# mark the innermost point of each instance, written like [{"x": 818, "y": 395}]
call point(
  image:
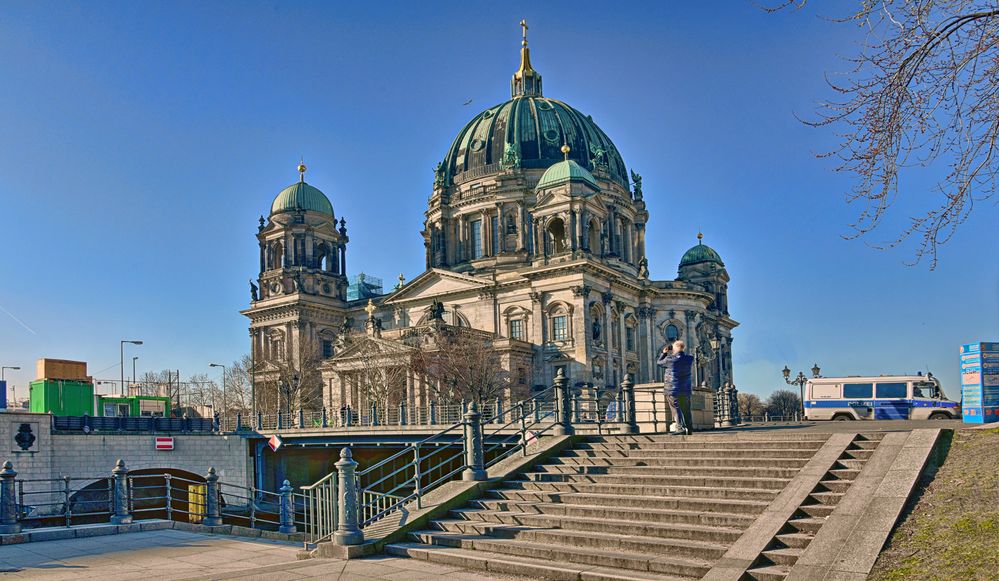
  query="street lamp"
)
[
  {"x": 225, "y": 405},
  {"x": 133, "y": 370},
  {"x": 816, "y": 370},
  {"x": 122, "y": 362},
  {"x": 5, "y": 368},
  {"x": 800, "y": 381}
]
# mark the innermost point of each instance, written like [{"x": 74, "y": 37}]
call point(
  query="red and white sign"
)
[
  {"x": 275, "y": 442},
  {"x": 164, "y": 443}
]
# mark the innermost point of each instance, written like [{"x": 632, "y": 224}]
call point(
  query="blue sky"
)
[{"x": 139, "y": 141}]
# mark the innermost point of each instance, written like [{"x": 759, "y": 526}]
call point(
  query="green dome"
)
[
  {"x": 301, "y": 196},
  {"x": 700, "y": 253},
  {"x": 565, "y": 171}
]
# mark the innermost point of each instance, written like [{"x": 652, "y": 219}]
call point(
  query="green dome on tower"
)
[
  {"x": 565, "y": 171},
  {"x": 300, "y": 196},
  {"x": 700, "y": 253}
]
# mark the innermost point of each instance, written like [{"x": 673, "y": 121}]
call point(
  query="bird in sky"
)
[{"x": 468, "y": 102}]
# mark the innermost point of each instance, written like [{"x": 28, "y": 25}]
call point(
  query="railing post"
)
[
  {"x": 280, "y": 420},
  {"x": 301, "y": 418},
  {"x": 287, "y": 524},
  {"x": 120, "y": 494},
  {"x": 628, "y": 393},
  {"x": 373, "y": 419},
  {"x": 577, "y": 415},
  {"x": 402, "y": 413},
  {"x": 239, "y": 422},
  {"x": 655, "y": 412},
  {"x": 169, "y": 496},
  {"x": 417, "y": 476},
  {"x": 67, "y": 510},
  {"x": 498, "y": 416},
  {"x": 326, "y": 418},
  {"x": 8, "y": 501},
  {"x": 347, "y": 532},
  {"x": 433, "y": 412},
  {"x": 474, "y": 454},
  {"x": 564, "y": 426},
  {"x": 213, "y": 514},
  {"x": 523, "y": 426},
  {"x": 260, "y": 420}
]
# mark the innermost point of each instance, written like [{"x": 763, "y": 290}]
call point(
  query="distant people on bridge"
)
[{"x": 676, "y": 385}]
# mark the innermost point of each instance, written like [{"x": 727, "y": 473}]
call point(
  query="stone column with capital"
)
[{"x": 607, "y": 297}]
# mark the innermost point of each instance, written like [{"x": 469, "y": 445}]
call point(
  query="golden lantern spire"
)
[
  {"x": 699, "y": 237},
  {"x": 526, "y": 81},
  {"x": 565, "y": 150},
  {"x": 301, "y": 170}
]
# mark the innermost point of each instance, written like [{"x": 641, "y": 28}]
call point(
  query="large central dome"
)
[{"x": 528, "y": 131}]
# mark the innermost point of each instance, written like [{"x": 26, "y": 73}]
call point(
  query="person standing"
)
[{"x": 677, "y": 367}]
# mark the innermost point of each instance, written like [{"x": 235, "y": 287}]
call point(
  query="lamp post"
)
[
  {"x": 800, "y": 381},
  {"x": 704, "y": 355},
  {"x": 122, "y": 361},
  {"x": 133, "y": 369},
  {"x": 225, "y": 404},
  {"x": 6, "y": 367}
]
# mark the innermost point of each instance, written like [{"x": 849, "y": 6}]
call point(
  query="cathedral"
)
[{"x": 535, "y": 237}]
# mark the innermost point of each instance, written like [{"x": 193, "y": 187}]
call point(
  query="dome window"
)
[
  {"x": 543, "y": 105},
  {"x": 551, "y": 135},
  {"x": 477, "y": 145}
]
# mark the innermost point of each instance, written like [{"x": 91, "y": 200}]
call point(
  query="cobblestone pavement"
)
[{"x": 171, "y": 554}]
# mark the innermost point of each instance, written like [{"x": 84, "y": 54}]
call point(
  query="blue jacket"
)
[{"x": 677, "y": 368}]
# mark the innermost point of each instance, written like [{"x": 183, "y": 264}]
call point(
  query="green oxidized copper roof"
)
[
  {"x": 565, "y": 171},
  {"x": 700, "y": 253},
  {"x": 302, "y": 196}
]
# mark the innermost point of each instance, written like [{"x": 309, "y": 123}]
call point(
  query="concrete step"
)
[
  {"x": 761, "y": 471},
  {"x": 795, "y": 540},
  {"x": 721, "y": 481},
  {"x": 850, "y": 464},
  {"x": 786, "y": 556},
  {"x": 614, "y": 542},
  {"x": 860, "y": 453},
  {"x": 682, "y": 461},
  {"x": 845, "y": 473},
  {"x": 695, "y": 532},
  {"x": 864, "y": 444},
  {"x": 768, "y": 573},
  {"x": 716, "y": 452},
  {"x": 641, "y": 502},
  {"x": 642, "y": 490},
  {"x": 807, "y": 524},
  {"x": 826, "y": 498},
  {"x": 835, "y": 485},
  {"x": 638, "y": 515},
  {"x": 522, "y": 566},
  {"x": 685, "y": 567},
  {"x": 691, "y": 443},
  {"x": 817, "y": 510}
]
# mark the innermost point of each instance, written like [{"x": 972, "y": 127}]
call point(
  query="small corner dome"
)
[
  {"x": 700, "y": 253},
  {"x": 565, "y": 171},
  {"x": 300, "y": 196}
]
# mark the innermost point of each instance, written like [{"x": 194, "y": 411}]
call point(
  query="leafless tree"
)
[
  {"x": 783, "y": 402},
  {"x": 238, "y": 386},
  {"x": 750, "y": 404},
  {"x": 296, "y": 384},
  {"x": 463, "y": 364},
  {"x": 922, "y": 90},
  {"x": 382, "y": 374}
]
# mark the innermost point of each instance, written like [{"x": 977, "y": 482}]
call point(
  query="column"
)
[
  {"x": 572, "y": 233},
  {"x": 621, "y": 337},
  {"x": 607, "y": 340}
]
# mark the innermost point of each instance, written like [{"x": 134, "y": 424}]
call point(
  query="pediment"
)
[{"x": 436, "y": 282}]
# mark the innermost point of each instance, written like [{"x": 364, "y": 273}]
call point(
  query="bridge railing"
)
[
  {"x": 89, "y": 424},
  {"x": 122, "y": 496}
]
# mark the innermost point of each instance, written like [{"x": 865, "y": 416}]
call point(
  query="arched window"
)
[
  {"x": 593, "y": 237},
  {"x": 556, "y": 236},
  {"x": 672, "y": 332},
  {"x": 278, "y": 255}
]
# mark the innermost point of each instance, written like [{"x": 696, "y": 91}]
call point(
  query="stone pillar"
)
[
  {"x": 564, "y": 426},
  {"x": 119, "y": 497},
  {"x": 348, "y": 530},
  {"x": 622, "y": 336},
  {"x": 8, "y": 501},
  {"x": 628, "y": 398},
  {"x": 474, "y": 454},
  {"x": 607, "y": 296},
  {"x": 213, "y": 511},
  {"x": 286, "y": 519}
]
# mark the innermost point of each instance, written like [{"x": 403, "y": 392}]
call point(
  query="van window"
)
[
  {"x": 891, "y": 391},
  {"x": 857, "y": 390},
  {"x": 825, "y": 391},
  {"x": 924, "y": 389}
]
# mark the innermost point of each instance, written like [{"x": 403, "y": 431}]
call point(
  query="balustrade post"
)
[
  {"x": 433, "y": 412},
  {"x": 348, "y": 532},
  {"x": 8, "y": 501},
  {"x": 726, "y": 402},
  {"x": 628, "y": 393},
  {"x": 474, "y": 454},
  {"x": 326, "y": 418},
  {"x": 564, "y": 426},
  {"x": 119, "y": 497},
  {"x": 239, "y": 422},
  {"x": 280, "y": 420},
  {"x": 287, "y": 518},
  {"x": 577, "y": 415},
  {"x": 402, "y": 413},
  {"x": 213, "y": 511},
  {"x": 373, "y": 418},
  {"x": 260, "y": 420},
  {"x": 655, "y": 411},
  {"x": 498, "y": 416}
]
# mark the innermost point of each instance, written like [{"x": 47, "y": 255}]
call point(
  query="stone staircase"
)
[
  {"x": 780, "y": 555},
  {"x": 632, "y": 507}
]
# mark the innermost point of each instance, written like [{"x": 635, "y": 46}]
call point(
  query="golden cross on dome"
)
[
  {"x": 523, "y": 24},
  {"x": 370, "y": 309}
]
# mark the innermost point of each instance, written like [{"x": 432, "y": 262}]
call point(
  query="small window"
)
[
  {"x": 672, "y": 333},
  {"x": 560, "y": 328},
  {"x": 477, "y": 239},
  {"x": 327, "y": 348},
  {"x": 517, "y": 329},
  {"x": 891, "y": 390},
  {"x": 630, "y": 338},
  {"x": 857, "y": 390}
]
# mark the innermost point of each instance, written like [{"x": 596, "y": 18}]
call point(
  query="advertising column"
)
[{"x": 980, "y": 382}]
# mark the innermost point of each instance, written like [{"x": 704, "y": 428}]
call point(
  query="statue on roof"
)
[
  {"x": 253, "y": 291},
  {"x": 637, "y": 181},
  {"x": 511, "y": 157},
  {"x": 599, "y": 159},
  {"x": 436, "y": 310},
  {"x": 643, "y": 268}
]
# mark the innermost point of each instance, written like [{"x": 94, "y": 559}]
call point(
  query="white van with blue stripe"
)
[{"x": 886, "y": 397}]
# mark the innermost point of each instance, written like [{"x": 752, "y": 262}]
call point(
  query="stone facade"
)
[{"x": 534, "y": 233}]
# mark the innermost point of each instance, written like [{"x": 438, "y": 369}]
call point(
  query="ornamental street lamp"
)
[
  {"x": 225, "y": 404},
  {"x": 816, "y": 370},
  {"x": 702, "y": 356},
  {"x": 800, "y": 381},
  {"x": 122, "y": 362},
  {"x": 6, "y": 367}
]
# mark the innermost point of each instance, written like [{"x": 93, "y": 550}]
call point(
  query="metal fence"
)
[{"x": 89, "y": 424}]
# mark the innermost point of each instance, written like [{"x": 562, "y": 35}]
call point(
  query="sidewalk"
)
[{"x": 171, "y": 554}]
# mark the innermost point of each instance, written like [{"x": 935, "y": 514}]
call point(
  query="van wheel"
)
[
  {"x": 939, "y": 416},
  {"x": 841, "y": 418}
]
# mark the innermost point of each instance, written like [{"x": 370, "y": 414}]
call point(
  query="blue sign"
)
[
  {"x": 980, "y": 382},
  {"x": 3, "y": 395}
]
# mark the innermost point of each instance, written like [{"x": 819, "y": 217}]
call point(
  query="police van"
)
[{"x": 886, "y": 397}]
